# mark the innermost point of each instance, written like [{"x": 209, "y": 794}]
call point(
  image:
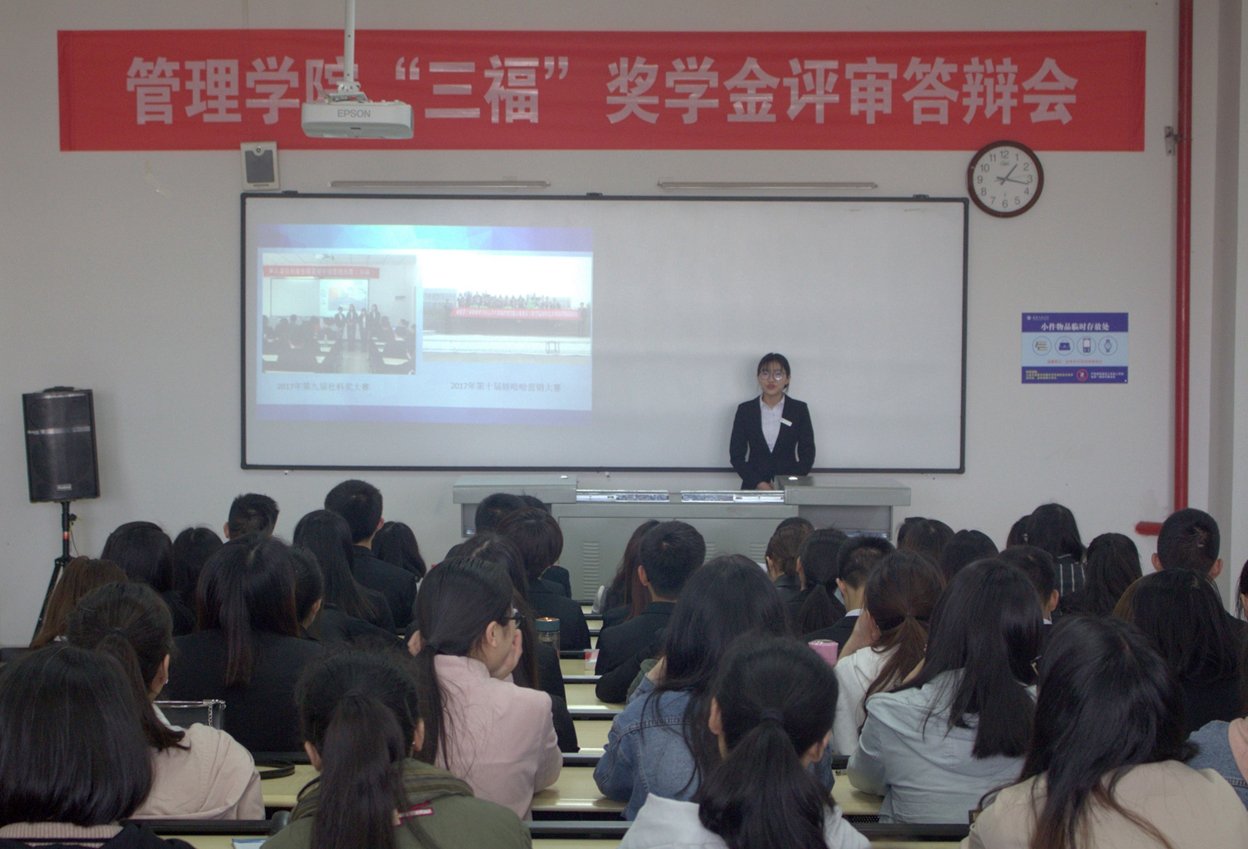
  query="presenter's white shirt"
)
[{"x": 771, "y": 421}]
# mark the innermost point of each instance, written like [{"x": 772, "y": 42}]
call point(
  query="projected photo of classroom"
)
[
  {"x": 506, "y": 307},
  {"x": 338, "y": 313}
]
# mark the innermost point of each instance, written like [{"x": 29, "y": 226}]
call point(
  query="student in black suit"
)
[
  {"x": 360, "y": 503},
  {"x": 670, "y": 552},
  {"x": 556, "y": 572},
  {"x": 248, "y": 653},
  {"x": 772, "y": 434},
  {"x": 540, "y": 541},
  {"x": 820, "y": 569},
  {"x": 855, "y": 560}
]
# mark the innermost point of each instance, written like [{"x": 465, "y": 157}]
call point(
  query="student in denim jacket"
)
[{"x": 652, "y": 743}]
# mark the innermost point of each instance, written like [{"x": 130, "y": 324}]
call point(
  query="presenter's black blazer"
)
[{"x": 794, "y": 453}]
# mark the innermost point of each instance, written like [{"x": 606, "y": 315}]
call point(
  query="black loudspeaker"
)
[{"x": 60, "y": 445}]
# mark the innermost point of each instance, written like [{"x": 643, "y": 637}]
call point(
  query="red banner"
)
[
  {"x": 494, "y": 312},
  {"x": 324, "y": 272},
  {"x": 213, "y": 89}
]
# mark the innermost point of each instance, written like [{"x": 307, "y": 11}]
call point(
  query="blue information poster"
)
[{"x": 1074, "y": 347}]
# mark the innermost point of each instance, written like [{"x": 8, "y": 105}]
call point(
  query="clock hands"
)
[{"x": 1002, "y": 180}]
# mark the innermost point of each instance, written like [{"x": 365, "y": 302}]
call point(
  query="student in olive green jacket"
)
[{"x": 361, "y": 722}]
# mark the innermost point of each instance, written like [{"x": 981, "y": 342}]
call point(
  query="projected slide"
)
[{"x": 424, "y": 323}]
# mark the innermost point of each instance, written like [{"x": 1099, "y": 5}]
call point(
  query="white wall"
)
[{"x": 119, "y": 273}]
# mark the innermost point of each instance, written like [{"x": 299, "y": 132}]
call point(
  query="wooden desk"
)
[
  {"x": 574, "y": 667},
  {"x": 591, "y": 734},
  {"x": 854, "y": 801},
  {"x": 221, "y": 841},
  {"x": 282, "y": 792},
  {"x": 575, "y": 792},
  {"x": 583, "y": 696}
]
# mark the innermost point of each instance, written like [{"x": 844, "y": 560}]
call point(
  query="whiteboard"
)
[{"x": 614, "y": 333}]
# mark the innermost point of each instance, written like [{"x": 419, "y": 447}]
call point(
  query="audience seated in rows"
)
[
  {"x": 657, "y": 742},
  {"x": 539, "y": 667},
  {"x": 627, "y": 596},
  {"x": 854, "y": 562},
  {"x": 960, "y": 727},
  {"x": 781, "y": 558},
  {"x": 770, "y": 713},
  {"x": 556, "y": 572},
  {"x": 479, "y": 726},
  {"x": 963, "y": 549},
  {"x": 360, "y": 503},
  {"x": 817, "y": 559},
  {"x": 360, "y": 715},
  {"x": 889, "y": 638},
  {"x": 1053, "y": 528},
  {"x": 328, "y": 537},
  {"x": 145, "y": 553},
  {"x": 74, "y": 761},
  {"x": 197, "y": 772},
  {"x": 79, "y": 577},
  {"x": 192, "y": 548},
  {"x": 1105, "y": 765},
  {"x": 251, "y": 513},
  {"x": 395, "y": 543},
  {"x": 540, "y": 541},
  {"x": 926, "y": 536},
  {"x": 247, "y": 652},
  {"x": 1040, "y": 568},
  {"x": 670, "y": 552}
]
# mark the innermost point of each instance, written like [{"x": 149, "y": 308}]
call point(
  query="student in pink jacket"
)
[{"x": 479, "y": 726}]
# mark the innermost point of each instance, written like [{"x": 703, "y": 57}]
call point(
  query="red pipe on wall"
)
[{"x": 1183, "y": 259}]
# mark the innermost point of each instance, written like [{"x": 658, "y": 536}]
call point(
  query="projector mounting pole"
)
[{"x": 349, "y": 88}]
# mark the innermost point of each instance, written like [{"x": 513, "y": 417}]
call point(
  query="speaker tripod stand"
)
[{"x": 67, "y": 520}]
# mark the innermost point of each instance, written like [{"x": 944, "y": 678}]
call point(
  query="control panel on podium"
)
[{"x": 597, "y": 523}]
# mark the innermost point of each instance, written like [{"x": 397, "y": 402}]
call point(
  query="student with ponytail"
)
[
  {"x": 818, "y": 556},
  {"x": 197, "y": 772},
  {"x": 889, "y": 639},
  {"x": 247, "y": 652},
  {"x": 362, "y": 725},
  {"x": 960, "y": 727},
  {"x": 479, "y": 726},
  {"x": 1106, "y": 765},
  {"x": 782, "y": 565},
  {"x": 771, "y": 714}
]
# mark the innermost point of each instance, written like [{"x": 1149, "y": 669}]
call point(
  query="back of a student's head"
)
[
  {"x": 534, "y": 501},
  {"x": 775, "y": 700},
  {"x": 858, "y": 556},
  {"x": 493, "y": 508},
  {"x": 1112, "y": 564},
  {"x": 725, "y": 598},
  {"x": 783, "y": 549},
  {"x": 819, "y": 567},
  {"x": 537, "y": 535},
  {"x": 670, "y": 552},
  {"x": 901, "y": 594},
  {"x": 1039, "y": 567},
  {"x": 248, "y": 588},
  {"x": 144, "y": 552},
  {"x": 360, "y": 712},
  {"x": 987, "y": 624},
  {"x": 1190, "y": 540},
  {"x": 1053, "y": 528},
  {"x": 80, "y": 576},
  {"x": 395, "y": 543},
  {"x": 251, "y": 513},
  {"x": 963, "y": 549},
  {"x": 805, "y": 525},
  {"x": 926, "y": 536},
  {"x": 360, "y": 503},
  {"x": 1180, "y": 612},
  {"x": 133, "y": 625},
  {"x": 327, "y": 536},
  {"x": 72, "y": 749},
  {"x": 1106, "y": 702},
  {"x": 191, "y": 550},
  {"x": 309, "y": 585}
]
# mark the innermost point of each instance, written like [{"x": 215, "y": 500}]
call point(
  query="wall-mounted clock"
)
[{"x": 1005, "y": 179}]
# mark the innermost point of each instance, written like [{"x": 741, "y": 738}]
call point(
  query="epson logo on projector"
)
[{"x": 354, "y": 113}]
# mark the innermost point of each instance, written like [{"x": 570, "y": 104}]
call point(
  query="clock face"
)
[{"x": 1005, "y": 179}]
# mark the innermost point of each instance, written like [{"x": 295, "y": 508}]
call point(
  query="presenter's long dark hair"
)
[
  {"x": 360, "y": 711},
  {"x": 776, "y": 699},
  {"x": 1107, "y": 702},
  {"x": 457, "y": 601},
  {"x": 987, "y": 629},
  {"x": 727, "y": 597}
]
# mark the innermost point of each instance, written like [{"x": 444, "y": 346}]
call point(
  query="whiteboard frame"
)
[{"x": 588, "y": 197}]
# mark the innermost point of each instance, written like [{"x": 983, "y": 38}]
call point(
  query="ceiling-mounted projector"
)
[{"x": 347, "y": 113}]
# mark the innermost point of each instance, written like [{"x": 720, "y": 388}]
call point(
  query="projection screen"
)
[{"x": 590, "y": 333}]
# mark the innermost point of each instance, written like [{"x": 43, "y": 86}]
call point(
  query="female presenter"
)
[{"x": 771, "y": 434}]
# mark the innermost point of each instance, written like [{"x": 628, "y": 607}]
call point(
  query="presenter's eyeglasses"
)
[{"x": 778, "y": 374}]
